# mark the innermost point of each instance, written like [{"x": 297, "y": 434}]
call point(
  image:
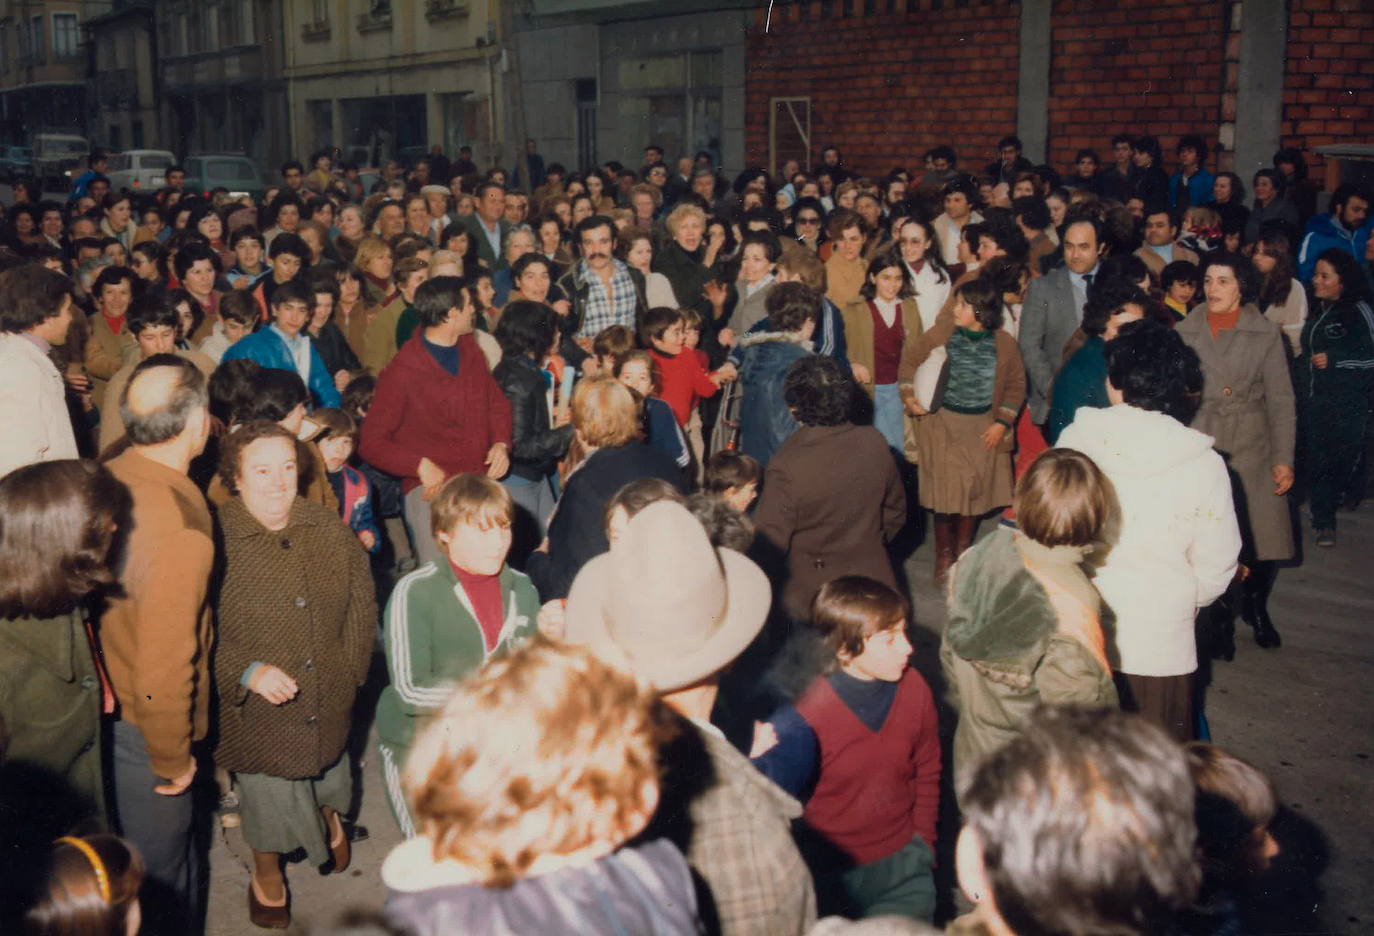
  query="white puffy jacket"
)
[{"x": 1174, "y": 546}]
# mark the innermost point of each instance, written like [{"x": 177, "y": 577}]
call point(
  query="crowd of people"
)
[{"x": 616, "y": 471}]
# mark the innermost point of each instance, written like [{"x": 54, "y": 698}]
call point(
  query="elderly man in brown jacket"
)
[{"x": 156, "y": 636}]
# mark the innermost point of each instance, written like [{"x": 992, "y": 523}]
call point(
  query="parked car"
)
[
  {"x": 16, "y": 162},
  {"x": 58, "y": 158},
  {"x": 139, "y": 170},
  {"x": 239, "y": 174}
]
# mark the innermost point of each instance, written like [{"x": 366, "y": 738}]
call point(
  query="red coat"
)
[
  {"x": 421, "y": 410},
  {"x": 684, "y": 380}
]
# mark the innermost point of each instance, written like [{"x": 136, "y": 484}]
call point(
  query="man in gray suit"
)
[
  {"x": 487, "y": 227},
  {"x": 1053, "y": 310}
]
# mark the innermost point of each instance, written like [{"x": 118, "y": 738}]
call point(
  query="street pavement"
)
[{"x": 1301, "y": 713}]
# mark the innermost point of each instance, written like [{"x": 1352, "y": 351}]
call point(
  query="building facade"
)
[
  {"x": 43, "y": 65},
  {"x": 123, "y": 92},
  {"x": 220, "y": 68},
  {"x": 382, "y": 79},
  {"x": 601, "y": 80}
]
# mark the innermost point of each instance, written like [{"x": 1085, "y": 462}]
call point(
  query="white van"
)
[{"x": 139, "y": 170}]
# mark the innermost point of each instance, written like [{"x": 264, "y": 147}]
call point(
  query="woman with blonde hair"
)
[
  {"x": 606, "y": 425},
  {"x": 527, "y": 789},
  {"x": 686, "y": 262},
  {"x": 373, "y": 259}
]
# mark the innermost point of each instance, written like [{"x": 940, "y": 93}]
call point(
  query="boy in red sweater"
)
[
  {"x": 861, "y": 749},
  {"x": 684, "y": 378}
]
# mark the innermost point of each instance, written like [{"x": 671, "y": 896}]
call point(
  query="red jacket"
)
[
  {"x": 421, "y": 410},
  {"x": 875, "y": 791},
  {"x": 684, "y": 380}
]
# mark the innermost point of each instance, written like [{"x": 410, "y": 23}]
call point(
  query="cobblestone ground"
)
[{"x": 1301, "y": 713}]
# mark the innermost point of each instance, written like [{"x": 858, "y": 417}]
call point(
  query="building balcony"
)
[{"x": 437, "y": 10}]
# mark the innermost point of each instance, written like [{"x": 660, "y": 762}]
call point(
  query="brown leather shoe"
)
[
  {"x": 339, "y": 847},
  {"x": 268, "y": 915}
]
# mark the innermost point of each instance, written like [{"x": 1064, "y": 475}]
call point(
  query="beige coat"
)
[
  {"x": 1156, "y": 263},
  {"x": 858, "y": 332},
  {"x": 1248, "y": 408},
  {"x": 105, "y": 354}
]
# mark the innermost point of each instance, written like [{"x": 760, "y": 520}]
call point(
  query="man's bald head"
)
[{"x": 161, "y": 399}]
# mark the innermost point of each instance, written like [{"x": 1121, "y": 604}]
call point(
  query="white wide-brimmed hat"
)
[{"x": 665, "y": 604}]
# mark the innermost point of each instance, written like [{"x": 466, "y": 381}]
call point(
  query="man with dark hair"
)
[
  {"x": 1345, "y": 226},
  {"x": 1160, "y": 248},
  {"x": 533, "y": 165},
  {"x": 156, "y": 637},
  {"x": 943, "y": 163},
  {"x": 1009, "y": 162},
  {"x": 1083, "y": 824},
  {"x": 960, "y": 195},
  {"x": 154, "y": 324},
  {"x": 601, "y": 289},
  {"x": 35, "y": 314},
  {"x": 284, "y": 345},
  {"x": 1032, "y": 217},
  {"x": 437, "y": 411},
  {"x": 293, "y": 174},
  {"x": 96, "y": 163},
  {"x": 487, "y": 226},
  {"x": 1175, "y": 544},
  {"x": 1053, "y": 310},
  {"x": 1190, "y": 184},
  {"x": 1114, "y": 181}
]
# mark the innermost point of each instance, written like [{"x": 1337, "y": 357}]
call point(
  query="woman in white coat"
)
[{"x": 1174, "y": 546}]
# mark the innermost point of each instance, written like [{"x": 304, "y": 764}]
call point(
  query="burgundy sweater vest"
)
[{"x": 876, "y": 791}]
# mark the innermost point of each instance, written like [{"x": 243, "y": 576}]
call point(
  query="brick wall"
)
[
  {"x": 1148, "y": 66},
  {"x": 885, "y": 87},
  {"x": 1328, "y": 85}
]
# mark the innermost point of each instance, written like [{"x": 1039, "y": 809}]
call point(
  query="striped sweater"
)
[{"x": 433, "y": 640}]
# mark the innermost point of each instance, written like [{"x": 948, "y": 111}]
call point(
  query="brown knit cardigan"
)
[{"x": 302, "y": 600}]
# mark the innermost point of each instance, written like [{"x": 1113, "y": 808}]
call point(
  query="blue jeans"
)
[{"x": 888, "y": 415}]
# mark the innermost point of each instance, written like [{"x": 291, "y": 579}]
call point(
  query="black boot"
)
[
  {"x": 1255, "y": 604},
  {"x": 1219, "y": 620}
]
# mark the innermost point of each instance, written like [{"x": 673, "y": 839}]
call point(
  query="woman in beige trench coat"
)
[{"x": 1248, "y": 408}]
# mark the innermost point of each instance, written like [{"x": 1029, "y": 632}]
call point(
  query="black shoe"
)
[{"x": 1265, "y": 634}]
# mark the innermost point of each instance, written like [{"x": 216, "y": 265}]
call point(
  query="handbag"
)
[{"x": 928, "y": 385}]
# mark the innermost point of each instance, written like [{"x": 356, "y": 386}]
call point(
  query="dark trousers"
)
[
  {"x": 1165, "y": 700},
  {"x": 161, "y": 827},
  {"x": 1335, "y": 439}
]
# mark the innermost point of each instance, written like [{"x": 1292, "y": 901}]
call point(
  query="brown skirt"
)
[{"x": 958, "y": 475}]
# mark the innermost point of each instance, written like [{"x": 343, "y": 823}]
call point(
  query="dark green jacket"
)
[
  {"x": 50, "y": 701},
  {"x": 1004, "y": 652}
]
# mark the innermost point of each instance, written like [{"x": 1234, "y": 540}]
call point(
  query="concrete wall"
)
[
  {"x": 553, "y": 58},
  {"x": 551, "y": 61}
]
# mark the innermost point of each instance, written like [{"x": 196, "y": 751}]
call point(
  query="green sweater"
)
[{"x": 433, "y": 640}]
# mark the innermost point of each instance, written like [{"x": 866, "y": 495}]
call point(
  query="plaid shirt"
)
[
  {"x": 737, "y": 827},
  {"x": 600, "y": 310}
]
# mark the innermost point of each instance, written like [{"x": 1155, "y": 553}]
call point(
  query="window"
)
[
  {"x": 35, "y": 46},
  {"x": 66, "y": 37}
]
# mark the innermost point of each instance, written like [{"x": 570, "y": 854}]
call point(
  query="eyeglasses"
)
[{"x": 809, "y": 220}]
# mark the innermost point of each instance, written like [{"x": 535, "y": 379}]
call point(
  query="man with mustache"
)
[{"x": 602, "y": 291}]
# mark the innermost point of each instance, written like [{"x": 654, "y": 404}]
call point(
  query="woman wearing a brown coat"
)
[
  {"x": 832, "y": 496},
  {"x": 1248, "y": 407},
  {"x": 964, "y": 447},
  {"x": 296, "y": 615}
]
